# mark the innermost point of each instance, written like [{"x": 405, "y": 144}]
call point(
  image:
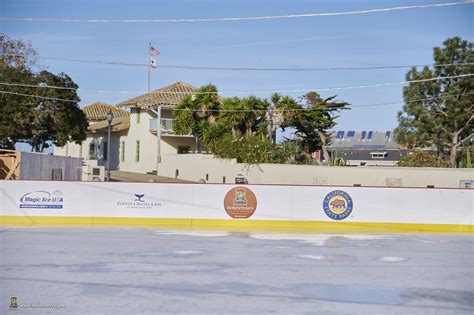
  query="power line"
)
[
  {"x": 246, "y": 92},
  {"x": 39, "y": 96},
  {"x": 184, "y": 67},
  {"x": 256, "y": 110},
  {"x": 229, "y": 19}
]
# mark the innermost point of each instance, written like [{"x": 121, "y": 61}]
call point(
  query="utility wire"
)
[
  {"x": 184, "y": 67},
  {"x": 228, "y": 19},
  {"x": 244, "y": 92},
  {"x": 39, "y": 96},
  {"x": 257, "y": 110}
]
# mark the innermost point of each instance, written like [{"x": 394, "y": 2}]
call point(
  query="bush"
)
[
  {"x": 423, "y": 159},
  {"x": 246, "y": 149}
]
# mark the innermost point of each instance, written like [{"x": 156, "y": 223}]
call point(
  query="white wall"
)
[
  {"x": 195, "y": 167},
  {"x": 99, "y": 139},
  {"x": 198, "y": 201},
  {"x": 137, "y": 131}
]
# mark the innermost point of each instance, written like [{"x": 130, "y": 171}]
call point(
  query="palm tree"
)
[
  {"x": 232, "y": 114},
  {"x": 192, "y": 110},
  {"x": 255, "y": 114}
]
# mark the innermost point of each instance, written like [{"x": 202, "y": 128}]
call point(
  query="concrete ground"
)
[
  {"x": 149, "y": 271},
  {"x": 138, "y": 177}
]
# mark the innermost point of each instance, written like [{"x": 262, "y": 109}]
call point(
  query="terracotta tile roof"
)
[
  {"x": 167, "y": 96},
  {"x": 98, "y": 111},
  {"x": 118, "y": 124}
]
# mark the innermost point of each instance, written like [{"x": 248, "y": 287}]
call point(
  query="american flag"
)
[{"x": 153, "y": 51}]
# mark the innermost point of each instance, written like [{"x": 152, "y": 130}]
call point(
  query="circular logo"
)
[
  {"x": 337, "y": 205},
  {"x": 240, "y": 203}
]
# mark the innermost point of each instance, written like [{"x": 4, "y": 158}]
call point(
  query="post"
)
[
  {"x": 108, "y": 154},
  {"x": 270, "y": 124},
  {"x": 110, "y": 117},
  {"x": 158, "y": 139},
  {"x": 149, "y": 65}
]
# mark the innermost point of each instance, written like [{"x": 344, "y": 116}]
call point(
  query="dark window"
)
[
  {"x": 92, "y": 151},
  {"x": 122, "y": 153},
  {"x": 340, "y": 135},
  {"x": 106, "y": 153},
  {"x": 369, "y": 136},
  {"x": 387, "y": 134},
  {"x": 137, "y": 151},
  {"x": 183, "y": 150},
  {"x": 350, "y": 134},
  {"x": 95, "y": 171},
  {"x": 362, "y": 135}
]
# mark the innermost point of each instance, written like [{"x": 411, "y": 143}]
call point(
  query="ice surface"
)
[{"x": 149, "y": 271}]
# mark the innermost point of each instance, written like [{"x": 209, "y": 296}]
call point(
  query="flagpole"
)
[{"x": 149, "y": 65}]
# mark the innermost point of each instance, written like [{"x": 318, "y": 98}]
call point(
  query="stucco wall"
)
[
  {"x": 139, "y": 130},
  {"x": 195, "y": 167}
]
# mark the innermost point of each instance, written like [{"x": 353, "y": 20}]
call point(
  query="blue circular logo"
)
[{"x": 337, "y": 205}]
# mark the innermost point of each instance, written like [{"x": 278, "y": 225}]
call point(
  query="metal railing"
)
[{"x": 165, "y": 123}]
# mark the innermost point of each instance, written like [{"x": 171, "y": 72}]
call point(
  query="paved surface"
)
[
  {"x": 146, "y": 271},
  {"x": 138, "y": 177}
]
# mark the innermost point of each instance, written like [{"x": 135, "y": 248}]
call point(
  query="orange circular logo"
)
[{"x": 240, "y": 203}]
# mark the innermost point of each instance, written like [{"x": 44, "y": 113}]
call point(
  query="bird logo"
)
[{"x": 139, "y": 197}]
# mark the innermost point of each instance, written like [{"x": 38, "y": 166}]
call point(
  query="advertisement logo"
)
[
  {"x": 139, "y": 197},
  {"x": 138, "y": 202},
  {"x": 240, "y": 203},
  {"x": 337, "y": 205},
  {"x": 13, "y": 303},
  {"x": 42, "y": 199}
]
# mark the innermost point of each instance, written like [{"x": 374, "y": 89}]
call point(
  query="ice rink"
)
[{"x": 150, "y": 271}]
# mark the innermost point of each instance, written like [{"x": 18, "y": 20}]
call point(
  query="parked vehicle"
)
[{"x": 240, "y": 179}]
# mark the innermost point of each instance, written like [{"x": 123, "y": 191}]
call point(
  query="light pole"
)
[{"x": 110, "y": 116}]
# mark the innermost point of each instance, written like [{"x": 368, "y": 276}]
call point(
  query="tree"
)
[
  {"x": 422, "y": 159},
  {"x": 15, "y": 109},
  {"x": 232, "y": 113},
  {"x": 313, "y": 123},
  {"x": 56, "y": 121},
  {"x": 283, "y": 109},
  {"x": 195, "y": 113},
  {"x": 16, "y": 53},
  {"x": 48, "y": 115},
  {"x": 439, "y": 113}
]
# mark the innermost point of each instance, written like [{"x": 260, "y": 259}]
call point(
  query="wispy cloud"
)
[
  {"x": 284, "y": 41},
  {"x": 51, "y": 37}
]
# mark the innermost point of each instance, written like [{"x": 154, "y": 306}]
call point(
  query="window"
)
[
  {"x": 183, "y": 149},
  {"x": 350, "y": 134},
  {"x": 137, "y": 151},
  {"x": 138, "y": 115},
  {"x": 378, "y": 155},
  {"x": 92, "y": 151},
  {"x": 362, "y": 135},
  {"x": 369, "y": 136},
  {"x": 122, "y": 151},
  {"x": 80, "y": 150},
  {"x": 106, "y": 153},
  {"x": 387, "y": 135}
]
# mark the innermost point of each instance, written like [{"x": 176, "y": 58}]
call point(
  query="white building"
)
[{"x": 134, "y": 146}]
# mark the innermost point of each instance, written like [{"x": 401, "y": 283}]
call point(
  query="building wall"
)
[
  {"x": 170, "y": 144},
  {"x": 138, "y": 131},
  {"x": 195, "y": 167},
  {"x": 99, "y": 140}
]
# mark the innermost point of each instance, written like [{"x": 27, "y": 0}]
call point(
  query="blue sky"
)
[{"x": 392, "y": 38}]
